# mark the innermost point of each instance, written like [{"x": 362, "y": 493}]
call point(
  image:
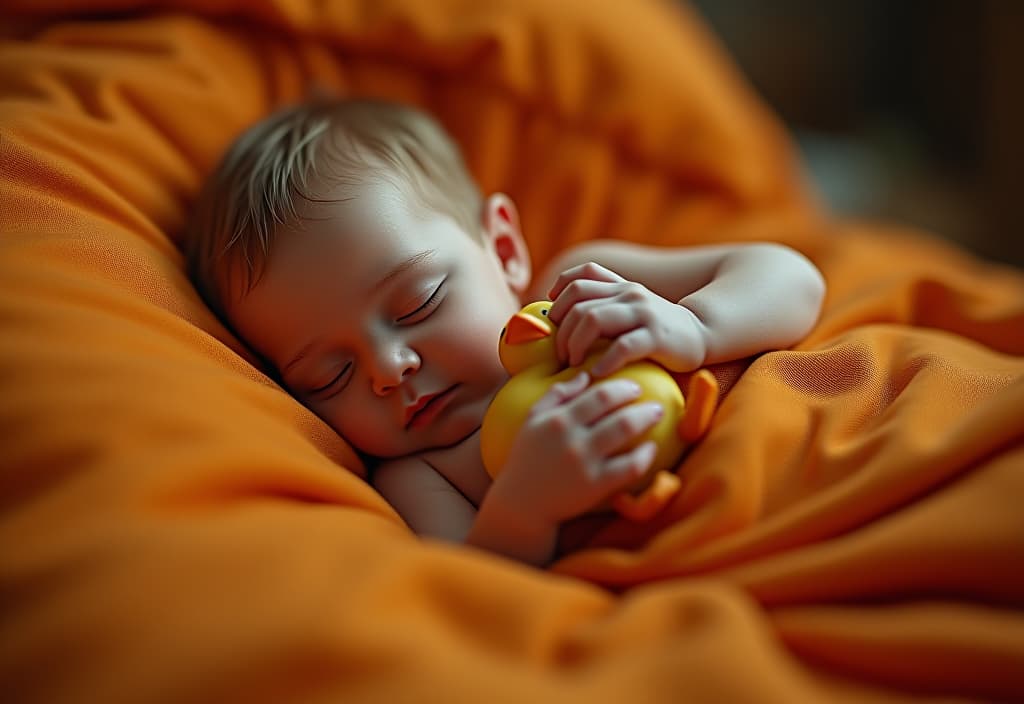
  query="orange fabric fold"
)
[{"x": 175, "y": 527}]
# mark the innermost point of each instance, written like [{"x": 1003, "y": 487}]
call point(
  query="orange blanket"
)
[{"x": 174, "y": 527}]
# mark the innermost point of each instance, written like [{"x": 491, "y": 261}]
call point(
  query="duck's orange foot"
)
[
  {"x": 701, "y": 401},
  {"x": 650, "y": 501}
]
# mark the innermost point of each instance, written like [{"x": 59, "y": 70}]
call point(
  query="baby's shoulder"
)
[
  {"x": 428, "y": 502},
  {"x": 462, "y": 465},
  {"x": 400, "y": 471}
]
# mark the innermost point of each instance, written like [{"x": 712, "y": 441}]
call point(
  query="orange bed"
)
[{"x": 175, "y": 528}]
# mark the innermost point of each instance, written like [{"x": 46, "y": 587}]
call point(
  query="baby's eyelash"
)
[
  {"x": 332, "y": 382},
  {"x": 429, "y": 303}
]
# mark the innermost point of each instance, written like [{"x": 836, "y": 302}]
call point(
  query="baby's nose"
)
[{"x": 393, "y": 369}]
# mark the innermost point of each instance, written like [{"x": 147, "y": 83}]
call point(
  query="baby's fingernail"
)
[
  {"x": 647, "y": 452},
  {"x": 576, "y": 383},
  {"x": 655, "y": 409},
  {"x": 632, "y": 388}
]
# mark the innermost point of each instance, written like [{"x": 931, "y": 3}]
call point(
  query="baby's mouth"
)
[{"x": 423, "y": 410}]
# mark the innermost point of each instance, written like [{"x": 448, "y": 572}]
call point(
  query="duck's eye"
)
[{"x": 543, "y": 311}]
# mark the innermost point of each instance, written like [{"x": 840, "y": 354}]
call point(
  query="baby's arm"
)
[
  {"x": 433, "y": 508},
  {"x": 571, "y": 453},
  {"x": 734, "y": 301},
  {"x": 428, "y": 502}
]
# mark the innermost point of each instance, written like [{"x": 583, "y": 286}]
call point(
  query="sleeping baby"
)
[{"x": 346, "y": 243}]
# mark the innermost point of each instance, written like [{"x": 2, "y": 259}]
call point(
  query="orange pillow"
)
[
  {"x": 176, "y": 527},
  {"x": 110, "y": 126}
]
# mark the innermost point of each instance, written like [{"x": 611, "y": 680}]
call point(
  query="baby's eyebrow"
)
[{"x": 415, "y": 260}]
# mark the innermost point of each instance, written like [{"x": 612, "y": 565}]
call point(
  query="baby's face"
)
[{"x": 383, "y": 319}]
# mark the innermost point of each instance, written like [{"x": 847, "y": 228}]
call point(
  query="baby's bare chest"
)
[{"x": 462, "y": 466}]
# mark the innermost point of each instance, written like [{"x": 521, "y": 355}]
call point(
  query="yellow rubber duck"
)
[{"x": 527, "y": 350}]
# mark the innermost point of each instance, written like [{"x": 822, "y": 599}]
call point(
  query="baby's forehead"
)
[
  {"x": 366, "y": 192},
  {"x": 372, "y": 228},
  {"x": 379, "y": 201}
]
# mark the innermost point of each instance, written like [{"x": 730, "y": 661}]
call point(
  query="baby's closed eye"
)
[
  {"x": 335, "y": 383},
  {"x": 424, "y": 309}
]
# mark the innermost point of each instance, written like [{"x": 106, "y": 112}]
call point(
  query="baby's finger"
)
[
  {"x": 633, "y": 346},
  {"x": 560, "y": 393},
  {"x": 602, "y": 399},
  {"x": 584, "y": 326},
  {"x": 617, "y": 430},
  {"x": 591, "y": 271},
  {"x": 624, "y": 469},
  {"x": 588, "y": 270},
  {"x": 576, "y": 292},
  {"x": 568, "y": 326}
]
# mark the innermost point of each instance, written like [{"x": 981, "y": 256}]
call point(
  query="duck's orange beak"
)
[{"x": 525, "y": 328}]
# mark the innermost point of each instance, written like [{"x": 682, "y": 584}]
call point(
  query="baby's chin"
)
[{"x": 455, "y": 430}]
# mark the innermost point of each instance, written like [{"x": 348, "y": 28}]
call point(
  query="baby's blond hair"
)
[{"x": 316, "y": 144}]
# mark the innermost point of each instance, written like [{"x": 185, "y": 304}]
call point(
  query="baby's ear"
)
[{"x": 503, "y": 237}]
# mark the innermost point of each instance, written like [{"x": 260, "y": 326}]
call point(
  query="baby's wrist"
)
[
  {"x": 696, "y": 338},
  {"x": 512, "y": 529},
  {"x": 516, "y": 510}
]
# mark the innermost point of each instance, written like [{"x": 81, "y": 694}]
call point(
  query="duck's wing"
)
[{"x": 701, "y": 402}]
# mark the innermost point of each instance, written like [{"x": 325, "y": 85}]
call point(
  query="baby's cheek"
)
[
  {"x": 473, "y": 328},
  {"x": 359, "y": 423}
]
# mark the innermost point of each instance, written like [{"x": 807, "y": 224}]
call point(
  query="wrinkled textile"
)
[{"x": 175, "y": 527}]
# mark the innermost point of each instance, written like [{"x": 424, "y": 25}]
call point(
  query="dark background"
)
[{"x": 908, "y": 111}]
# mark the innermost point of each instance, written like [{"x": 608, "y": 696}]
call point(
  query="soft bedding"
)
[{"x": 175, "y": 528}]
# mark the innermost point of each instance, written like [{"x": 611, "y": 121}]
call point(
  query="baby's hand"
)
[
  {"x": 592, "y": 302},
  {"x": 569, "y": 455}
]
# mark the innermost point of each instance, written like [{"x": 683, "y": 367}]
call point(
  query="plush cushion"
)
[{"x": 175, "y": 527}]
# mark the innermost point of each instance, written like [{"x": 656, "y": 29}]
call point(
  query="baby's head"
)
[{"x": 347, "y": 244}]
